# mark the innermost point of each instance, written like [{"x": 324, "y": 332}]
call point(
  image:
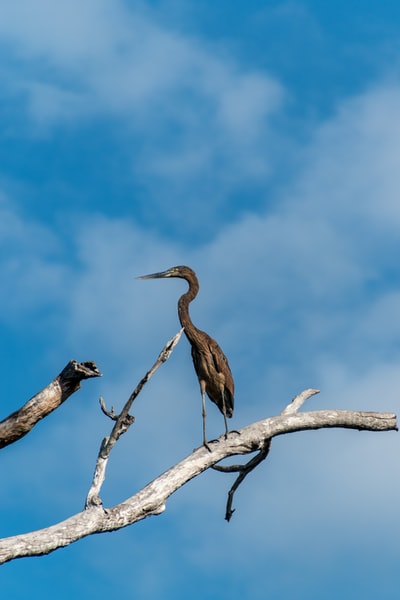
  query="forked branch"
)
[
  {"x": 243, "y": 471},
  {"x": 248, "y": 467},
  {"x": 122, "y": 423},
  {"x": 151, "y": 499}
]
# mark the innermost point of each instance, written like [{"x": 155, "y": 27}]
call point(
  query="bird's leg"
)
[
  {"x": 226, "y": 426},
  {"x": 224, "y": 413},
  {"x": 204, "y": 414}
]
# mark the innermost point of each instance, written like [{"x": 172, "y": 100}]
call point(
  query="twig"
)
[
  {"x": 108, "y": 413},
  {"x": 122, "y": 423}
]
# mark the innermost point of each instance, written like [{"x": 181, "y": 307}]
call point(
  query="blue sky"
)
[{"x": 259, "y": 143}]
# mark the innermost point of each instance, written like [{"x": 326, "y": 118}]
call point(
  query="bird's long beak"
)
[{"x": 155, "y": 275}]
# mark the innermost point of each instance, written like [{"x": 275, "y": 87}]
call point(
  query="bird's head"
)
[{"x": 182, "y": 272}]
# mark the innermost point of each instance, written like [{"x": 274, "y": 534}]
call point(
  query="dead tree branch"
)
[
  {"x": 122, "y": 423},
  {"x": 298, "y": 401},
  {"x": 247, "y": 468},
  {"x": 43, "y": 403},
  {"x": 151, "y": 499},
  {"x": 243, "y": 470}
]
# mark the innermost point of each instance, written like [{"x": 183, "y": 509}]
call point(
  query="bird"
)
[{"x": 210, "y": 363}]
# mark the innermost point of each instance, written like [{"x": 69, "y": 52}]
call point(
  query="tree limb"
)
[
  {"x": 151, "y": 499},
  {"x": 247, "y": 468},
  {"x": 243, "y": 470},
  {"x": 122, "y": 423},
  {"x": 298, "y": 401},
  {"x": 43, "y": 403}
]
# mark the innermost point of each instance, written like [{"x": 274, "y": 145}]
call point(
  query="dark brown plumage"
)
[{"x": 210, "y": 363}]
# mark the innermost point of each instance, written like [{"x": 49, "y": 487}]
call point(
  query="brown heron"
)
[{"x": 210, "y": 363}]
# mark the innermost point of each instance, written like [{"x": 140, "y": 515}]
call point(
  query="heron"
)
[{"x": 210, "y": 363}]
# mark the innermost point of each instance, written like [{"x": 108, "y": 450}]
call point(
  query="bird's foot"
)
[
  {"x": 206, "y": 445},
  {"x": 231, "y": 431}
]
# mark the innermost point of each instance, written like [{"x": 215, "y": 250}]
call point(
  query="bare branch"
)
[
  {"x": 122, "y": 424},
  {"x": 39, "y": 406},
  {"x": 108, "y": 413},
  {"x": 298, "y": 401},
  {"x": 245, "y": 469},
  {"x": 151, "y": 499}
]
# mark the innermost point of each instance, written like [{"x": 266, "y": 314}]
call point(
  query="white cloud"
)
[
  {"x": 64, "y": 34},
  {"x": 101, "y": 58},
  {"x": 49, "y": 104},
  {"x": 352, "y": 175},
  {"x": 32, "y": 266}
]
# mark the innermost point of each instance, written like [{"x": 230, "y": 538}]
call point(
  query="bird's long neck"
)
[{"x": 183, "y": 308}]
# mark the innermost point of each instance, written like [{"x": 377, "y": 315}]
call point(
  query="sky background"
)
[{"x": 259, "y": 143}]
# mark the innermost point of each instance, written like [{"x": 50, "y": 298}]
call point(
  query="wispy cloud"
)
[
  {"x": 121, "y": 62},
  {"x": 195, "y": 122},
  {"x": 32, "y": 265}
]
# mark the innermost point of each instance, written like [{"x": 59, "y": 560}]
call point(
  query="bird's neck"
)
[{"x": 183, "y": 308}]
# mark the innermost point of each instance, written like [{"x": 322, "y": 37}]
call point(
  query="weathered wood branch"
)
[
  {"x": 243, "y": 472},
  {"x": 122, "y": 423},
  {"x": 44, "y": 402},
  {"x": 298, "y": 401},
  {"x": 254, "y": 462},
  {"x": 151, "y": 499}
]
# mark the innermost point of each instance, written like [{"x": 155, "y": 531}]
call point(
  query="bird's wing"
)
[
  {"x": 219, "y": 359},
  {"x": 221, "y": 365}
]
